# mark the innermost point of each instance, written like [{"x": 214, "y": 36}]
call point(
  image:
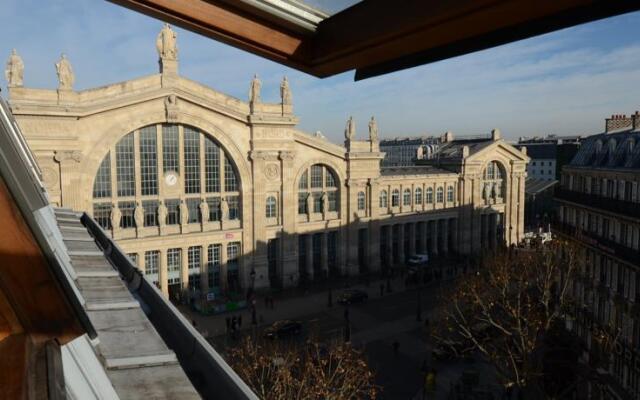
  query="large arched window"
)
[
  {"x": 406, "y": 197},
  {"x": 317, "y": 181},
  {"x": 202, "y": 171},
  {"x": 395, "y": 198},
  {"x": 362, "y": 201},
  {"x": 429, "y": 195},
  {"x": 418, "y": 196},
  {"x": 440, "y": 195},
  {"x": 450, "y": 194},
  {"x": 493, "y": 188},
  {"x": 383, "y": 199}
]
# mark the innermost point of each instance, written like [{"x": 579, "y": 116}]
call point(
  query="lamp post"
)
[{"x": 252, "y": 275}]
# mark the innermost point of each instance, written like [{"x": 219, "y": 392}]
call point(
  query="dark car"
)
[
  {"x": 284, "y": 328},
  {"x": 352, "y": 296}
]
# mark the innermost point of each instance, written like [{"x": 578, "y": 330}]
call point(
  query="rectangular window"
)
[
  {"x": 173, "y": 211},
  {"x": 151, "y": 262},
  {"x": 170, "y": 143},
  {"x": 148, "y": 161},
  {"x": 194, "y": 212},
  {"x": 233, "y": 252},
  {"x": 302, "y": 202},
  {"x": 194, "y": 256},
  {"x": 150, "y": 213},
  {"x": 214, "y": 208},
  {"x": 125, "y": 170},
  {"x": 191, "y": 160},
  {"x": 316, "y": 176},
  {"x": 230, "y": 181},
  {"x": 234, "y": 207},
  {"x": 173, "y": 260},
  {"x": 215, "y": 251},
  {"x": 102, "y": 185},
  {"x": 317, "y": 202},
  {"x": 212, "y": 166},
  {"x": 102, "y": 214},
  {"x": 333, "y": 201},
  {"x": 126, "y": 210}
]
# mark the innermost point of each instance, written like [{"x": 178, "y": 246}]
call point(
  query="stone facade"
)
[{"x": 301, "y": 207}]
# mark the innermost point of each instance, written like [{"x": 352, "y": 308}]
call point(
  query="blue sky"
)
[{"x": 566, "y": 82}]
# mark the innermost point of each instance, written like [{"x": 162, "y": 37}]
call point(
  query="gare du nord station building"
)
[{"x": 206, "y": 191}]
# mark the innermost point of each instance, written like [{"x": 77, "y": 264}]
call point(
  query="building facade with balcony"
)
[
  {"x": 209, "y": 192},
  {"x": 599, "y": 207}
]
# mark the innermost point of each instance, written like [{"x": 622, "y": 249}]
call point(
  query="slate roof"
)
[
  {"x": 537, "y": 151},
  {"x": 619, "y": 150},
  {"x": 536, "y": 186},
  {"x": 412, "y": 170}
]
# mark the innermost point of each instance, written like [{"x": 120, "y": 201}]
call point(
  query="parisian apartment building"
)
[
  {"x": 404, "y": 151},
  {"x": 599, "y": 207},
  {"x": 207, "y": 192}
]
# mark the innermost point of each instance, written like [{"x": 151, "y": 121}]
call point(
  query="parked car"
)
[
  {"x": 282, "y": 329},
  {"x": 418, "y": 260},
  {"x": 352, "y": 296}
]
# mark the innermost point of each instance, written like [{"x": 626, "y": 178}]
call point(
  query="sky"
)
[{"x": 561, "y": 83}]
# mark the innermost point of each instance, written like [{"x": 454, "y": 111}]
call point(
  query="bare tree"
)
[
  {"x": 507, "y": 309},
  {"x": 313, "y": 371}
]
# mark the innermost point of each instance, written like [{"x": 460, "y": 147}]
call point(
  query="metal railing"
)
[{"x": 622, "y": 207}]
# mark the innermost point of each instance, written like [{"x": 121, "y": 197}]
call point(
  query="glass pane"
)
[
  {"x": 102, "y": 184},
  {"x": 125, "y": 170}
]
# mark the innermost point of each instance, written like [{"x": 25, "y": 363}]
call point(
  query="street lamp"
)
[{"x": 252, "y": 275}]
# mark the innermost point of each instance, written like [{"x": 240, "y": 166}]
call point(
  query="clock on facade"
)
[{"x": 171, "y": 178}]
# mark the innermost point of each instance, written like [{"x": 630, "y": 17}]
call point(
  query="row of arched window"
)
[{"x": 417, "y": 196}]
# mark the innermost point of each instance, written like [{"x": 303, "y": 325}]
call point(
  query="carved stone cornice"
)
[
  {"x": 286, "y": 155},
  {"x": 264, "y": 155},
  {"x": 67, "y": 155}
]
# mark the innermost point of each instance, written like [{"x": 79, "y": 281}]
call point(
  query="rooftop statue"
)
[
  {"x": 254, "y": 90},
  {"x": 14, "y": 72},
  {"x": 65, "y": 73},
  {"x": 285, "y": 91},
  {"x": 166, "y": 43},
  {"x": 350, "y": 130},
  {"x": 373, "y": 130}
]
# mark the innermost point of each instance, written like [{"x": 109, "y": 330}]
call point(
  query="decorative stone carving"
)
[
  {"x": 184, "y": 213},
  {"x": 224, "y": 209},
  {"x": 373, "y": 130},
  {"x": 309, "y": 204},
  {"x": 204, "y": 211},
  {"x": 264, "y": 155},
  {"x": 254, "y": 90},
  {"x": 115, "y": 216},
  {"x": 171, "y": 108},
  {"x": 14, "y": 72},
  {"x": 138, "y": 216},
  {"x": 287, "y": 155},
  {"x": 285, "y": 92},
  {"x": 271, "y": 171},
  {"x": 162, "y": 214},
  {"x": 350, "y": 130},
  {"x": 420, "y": 153},
  {"x": 325, "y": 203},
  {"x": 66, "y": 77},
  {"x": 166, "y": 43},
  {"x": 67, "y": 155},
  {"x": 50, "y": 177}
]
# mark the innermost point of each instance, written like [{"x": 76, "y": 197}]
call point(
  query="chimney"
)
[
  {"x": 495, "y": 134},
  {"x": 618, "y": 122},
  {"x": 636, "y": 121},
  {"x": 447, "y": 137}
]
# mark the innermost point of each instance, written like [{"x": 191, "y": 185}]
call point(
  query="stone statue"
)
[
  {"x": 162, "y": 214},
  {"x": 420, "y": 153},
  {"x": 325, "y": 203},
  {"x": 166, "y": 43},
  {"x": 285, "y": 92},
  {"x": 115, "y": 216},
  {"x": 204, "y": 211},
  {"x": 350, "y": 130},
  {"x": 309, "y": 204},
  {"x": 224, "y": 209},
  {"x": 14, "y": 72},
  {"x": 254, "y": 90},
  {"x": 65, "y": 73},
  {"x": 373, "y": 130},
  {"x": 184, "y": 213},
  {"x": 138, "y": 216}
]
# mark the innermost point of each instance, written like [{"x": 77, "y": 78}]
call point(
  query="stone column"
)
[
  {"x": 324, "y": 253},
  {"x": 454, "y": 234},
  {"x": 493, "y": 231},
  {"x": 423, "y": 237},
  {"x": 389, "y": 255},
  {"x": 445, "y": 235},
  {"x": 70, "y": 195},
  {"x": 309, "y": 244},
  {"x": 289, "y": 203},
  {"x": 162, "y": 273},
  {"x": 434, "y": 237},
  {"x": 141, "y": 262},
  {"x": 184, "y": 268},
  {"x": 374, "y": 226},
  {"x": 204, "y": 269},
  {"x": 400, "y": 260},
  {"x": 412, "y": 238},
  {"x": 224, "y": 271}
]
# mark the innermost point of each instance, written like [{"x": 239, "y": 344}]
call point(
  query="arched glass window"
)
[
  {"x": 450, "y": 194},
  {"x": 395, "y": 198},
  {"x": 317, "y": 181},
  {"x": 440, "y": 195},
  {"x": 429, "y": 195},
  {"x": 493, "y": 187},
  {"x": 383, "y": 199},
  {"x": 203, "y": 158},
  {"x": 271, "y": 207},
  {"x": 406, "y": 197},
  {"x": 361, "y": 201},
  {"x": 418, "y": 196}
]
